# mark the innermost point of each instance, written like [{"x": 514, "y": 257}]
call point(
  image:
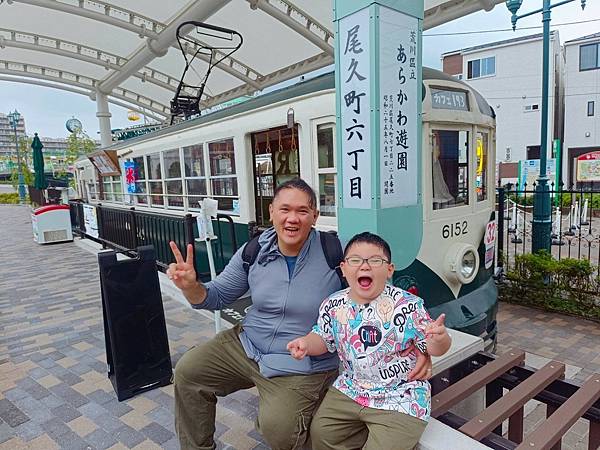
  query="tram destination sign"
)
[{"x": 447, "y": 99}]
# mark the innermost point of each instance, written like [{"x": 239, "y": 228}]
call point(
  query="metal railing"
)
[
  {"x": 575, "y": 222},
  {"x": 126, "y": 229}
]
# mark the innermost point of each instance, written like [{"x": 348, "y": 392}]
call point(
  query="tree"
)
[{"x": 78, "y": 144}]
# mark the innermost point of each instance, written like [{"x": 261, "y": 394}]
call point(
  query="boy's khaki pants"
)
[
  {"x": 220, "y": 367},
  {"x": 342, "y": 424}
]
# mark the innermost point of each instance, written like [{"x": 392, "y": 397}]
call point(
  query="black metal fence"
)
[
  {"x": 575, "y": 222},
  {"x": 126, "y": 229}
]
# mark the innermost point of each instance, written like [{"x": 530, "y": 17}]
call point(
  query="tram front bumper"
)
[{"x": 474, "y": 313}]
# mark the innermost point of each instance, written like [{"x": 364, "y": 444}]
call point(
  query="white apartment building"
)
[
  {"x": 509, "y": 76},
  {"x": 7, "y": 135},
  {"x": 582, "y": 103}
]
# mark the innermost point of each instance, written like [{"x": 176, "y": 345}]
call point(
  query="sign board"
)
[
  {"x": 588, "y": 167},
  {"x": 399, "y": 95},
  {"x": 529, "y": 171},
  {"x": 489, "y": 239},
  {"x": 90, "y": 220},
  {"x": 131, "y": 176},
  {"x": 355, "y": 109},
  {"x": 106, "y": 162},
  {"x": 449, "y": 99}
]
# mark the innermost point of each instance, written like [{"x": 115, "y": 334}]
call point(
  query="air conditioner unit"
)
[{"x": 51, "y": 223}]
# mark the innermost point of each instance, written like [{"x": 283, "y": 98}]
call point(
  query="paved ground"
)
[{"x": 54, "y": 392}]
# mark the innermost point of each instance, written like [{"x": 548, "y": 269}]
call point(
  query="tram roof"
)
[
  {"x": 321, "y": 83},
  {"x": 127, "y": 50}
]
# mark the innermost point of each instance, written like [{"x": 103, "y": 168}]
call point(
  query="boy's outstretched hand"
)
[
  {"x": 436, "y": 331},
  {"x": 298, "y": 348}
]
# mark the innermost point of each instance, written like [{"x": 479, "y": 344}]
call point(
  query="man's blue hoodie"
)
[{"x": 283, "y": 308}]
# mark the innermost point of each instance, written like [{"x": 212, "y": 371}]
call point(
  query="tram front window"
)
[{"x": 450, "y": 168}]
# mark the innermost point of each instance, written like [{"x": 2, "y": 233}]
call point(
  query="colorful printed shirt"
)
[{"x": 369, "y": 339}]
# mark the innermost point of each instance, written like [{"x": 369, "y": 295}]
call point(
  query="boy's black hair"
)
[
  {"x": 301, "y": 185},
  {"x": 369, "y": 238}
]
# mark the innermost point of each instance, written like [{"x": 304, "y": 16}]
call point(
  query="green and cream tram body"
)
[{"x": 238, "y": 155}]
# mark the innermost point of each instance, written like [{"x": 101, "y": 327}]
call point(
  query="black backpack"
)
[{"x": 332, "y": 249}]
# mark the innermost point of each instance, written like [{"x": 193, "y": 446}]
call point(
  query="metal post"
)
[
  {"x": 14, "y": 120},
  {"x": 500, "y": 241},
  {"x": 542, "y": 221}
]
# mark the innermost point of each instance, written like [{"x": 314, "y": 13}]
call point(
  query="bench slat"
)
[
  {"x": 551, "y": 431},
  {"x": 442, "y": 402},
  {"x": 481, "y": 425}
]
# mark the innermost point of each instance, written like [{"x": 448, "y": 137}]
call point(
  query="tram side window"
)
[
  {"x": 140, "y": 181},
  {"x": 113, "y": 190},
  {"x": 173, "y": 182},
  {"x": 481, "y": 186},
  {"x": 450, "y": 168},
  {"x": 223, "y": 179},
  {"x": 195, "y": 176},
  {"x": 155, "y": 179},
  {"x": 326, "y": 170}
]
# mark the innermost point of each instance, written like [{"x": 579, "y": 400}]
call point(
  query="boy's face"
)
[{"x": 366, "y": 280}]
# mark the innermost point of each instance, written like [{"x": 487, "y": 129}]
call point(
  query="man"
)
[{"x": 288, "y": 281}]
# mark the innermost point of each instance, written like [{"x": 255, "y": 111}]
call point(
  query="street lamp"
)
[
  {"x": 542, "y": 212},
  {"x": 14, "y": 117}
]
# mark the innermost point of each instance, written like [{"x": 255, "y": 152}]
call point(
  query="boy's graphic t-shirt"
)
[{"x": 369, "y": 340}]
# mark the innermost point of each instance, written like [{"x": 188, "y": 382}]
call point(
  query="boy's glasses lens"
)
[{"x": 374, "y": 261}]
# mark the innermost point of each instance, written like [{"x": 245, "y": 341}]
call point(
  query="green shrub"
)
[
  {"x": 11, "y": 198},
  {"x": 568, "y": 285}
]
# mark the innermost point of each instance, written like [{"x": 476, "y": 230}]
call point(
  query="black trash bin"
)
[{"x": 137, "y": 347}]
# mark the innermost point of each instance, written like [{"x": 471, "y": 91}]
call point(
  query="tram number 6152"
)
[{"x": 454, "y": 229}]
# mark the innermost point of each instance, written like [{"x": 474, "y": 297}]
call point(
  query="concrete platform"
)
[{"x": 54, "y": 392}]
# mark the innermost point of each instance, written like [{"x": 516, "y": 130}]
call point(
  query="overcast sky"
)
[{"x": 46, "y": 110}]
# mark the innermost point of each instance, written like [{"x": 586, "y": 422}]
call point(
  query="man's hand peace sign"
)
[{"x": 182, "y": 271}]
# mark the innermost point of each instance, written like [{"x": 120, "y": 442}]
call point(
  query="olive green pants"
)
[
  {"x": 220, "y": 367},
  {"x": 342, "y": 424}
]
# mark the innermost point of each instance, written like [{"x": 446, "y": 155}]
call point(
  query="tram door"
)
[{"x": 275, "y": 156}]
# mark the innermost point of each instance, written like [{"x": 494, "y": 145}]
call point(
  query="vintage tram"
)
[{"x": 239, "y": 154}]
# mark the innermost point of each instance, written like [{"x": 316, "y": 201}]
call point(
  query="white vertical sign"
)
[
  {"x": 355, "y": 109},
  {"x": 399, "y": 93}
]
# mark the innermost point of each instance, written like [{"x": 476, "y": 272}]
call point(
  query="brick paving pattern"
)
[{"x": 54, "y": 392}]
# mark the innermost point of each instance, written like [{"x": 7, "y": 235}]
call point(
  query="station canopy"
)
[{"x": 127, "y": 51}]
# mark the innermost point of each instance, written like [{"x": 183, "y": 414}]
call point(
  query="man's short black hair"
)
[
  {"x": 301, "y": 185},
  {"x": 370, "y": 238}
]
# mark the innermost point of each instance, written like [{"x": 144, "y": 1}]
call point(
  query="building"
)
[
  {"x": 509, "y": 76},
  {"x": 7, "y": 136},
  {"x": 582, "y": 110},
  {"x": 55, "y": 152}
]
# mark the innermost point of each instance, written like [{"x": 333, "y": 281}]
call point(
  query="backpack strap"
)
[
  {"x": 250, "y": 253},
  {"x": 334, "y": 254}
]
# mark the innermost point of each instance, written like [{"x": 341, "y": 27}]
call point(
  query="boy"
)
[{"x": 372, "y": 405}]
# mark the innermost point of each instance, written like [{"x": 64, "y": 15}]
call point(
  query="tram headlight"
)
[{"x": 462, "y": 262}]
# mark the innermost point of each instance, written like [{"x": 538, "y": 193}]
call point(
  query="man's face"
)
[
  {"x": 366, "y": 281},
  {"x": 292, "y": 217}
]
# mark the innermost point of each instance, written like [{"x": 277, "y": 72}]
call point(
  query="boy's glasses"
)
[{"x": 373, "y": 261}]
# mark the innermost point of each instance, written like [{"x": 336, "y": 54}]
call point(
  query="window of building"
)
[
  {"x": 140, "y": 197},
  {"x": 450, "y": 168},
  {"x": 173, "y": 180},
  {"x": 222, "y": 176},
  {"x": 483, "y": 67},
  {"x": 113, "y": 189},
  {"x": 481, "y": 173},
  {"x": 155, "y": 183},
  {"x": 590, "y": 109},
  {"x": 326, "y": 169},
  {"x": 195, "y": 176},
  {"x": 589, "y": 56}
]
